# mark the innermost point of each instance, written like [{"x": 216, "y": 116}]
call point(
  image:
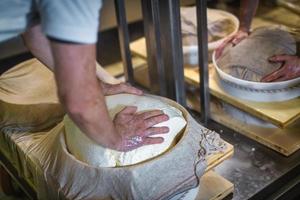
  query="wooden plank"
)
[
  {"x": 285, "y": 141},
  {"x": 281, "y": 114},
  {"x": 117, "y": 69},
  {"x": 214, "y": 187}
]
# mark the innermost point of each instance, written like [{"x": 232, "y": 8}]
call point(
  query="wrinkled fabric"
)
[
  {"x": 27, "y": 100},
  {"x": 56, "y": 174},
  {"x": 45, "y": 163},
  {"x": 218, "y": 25},
  {"x": 248, "y": 60}
]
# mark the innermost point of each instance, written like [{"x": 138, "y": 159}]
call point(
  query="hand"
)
[
  {"x": 234, "y": 40},
  {"x": 290, "y": 68},
  {"x": 135, "y": 128},
  {"x": 110, "y": 89}
]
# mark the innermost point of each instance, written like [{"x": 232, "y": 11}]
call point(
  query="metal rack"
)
[
  {"x": 163, "y": 40},
  {"x": 165, "y": 68}
]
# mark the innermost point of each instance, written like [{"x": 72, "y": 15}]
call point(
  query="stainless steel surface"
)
[
  {"x": 124, "y": 39},
  {"x": 152, "y": 34},
  {"x": 256, "y": 171},
  {"x": 203, "y": 59}
]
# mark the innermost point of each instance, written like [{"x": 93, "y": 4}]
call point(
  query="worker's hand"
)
[
  {"x": 233, "y": 40},
  {"x": 110, "y": 89},
  {"x": 135, "y": 128},
  {"x": 290, "y": 68}
]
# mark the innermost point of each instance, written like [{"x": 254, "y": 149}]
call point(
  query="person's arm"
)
[
  {"x": 83, "y": 97},
  {"x": 247, "y": 12},
  {"x": 39, "y": 46},
  {"x": 290, "y": 68}
]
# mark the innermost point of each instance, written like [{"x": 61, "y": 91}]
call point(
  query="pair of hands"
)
[
  {"x": 135, "y": 128},
  {"x": 290, "y": 64}
]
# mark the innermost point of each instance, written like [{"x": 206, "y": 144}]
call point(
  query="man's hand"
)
[
  {"x": 290, "y": 68},
  {"x": 110, "y": 89},
  {"x": 135, "y": 128},
  {"x": 233, "y": 40}
]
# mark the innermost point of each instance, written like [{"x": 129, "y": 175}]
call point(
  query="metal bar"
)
[
  {"x": 156, "y": 70},
  {"x": 172, "y": 49},
  {"x": 203, "y": 60},
  {"x": 124, "y": 39},
  {"x": 21, "y": 182}
]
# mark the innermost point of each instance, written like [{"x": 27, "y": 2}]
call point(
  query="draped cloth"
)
[
  {"x": 43, "y": 159},
  {"x": 248, "y": 60}
]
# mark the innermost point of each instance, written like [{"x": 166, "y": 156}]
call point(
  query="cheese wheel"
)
[{"x": 86, "y": 150}]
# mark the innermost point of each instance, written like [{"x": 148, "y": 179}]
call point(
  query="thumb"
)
[
  {"x": 279, "y": 58},
  {"x": 130, "y": 89},
  {"x": 129, "y": 110}
]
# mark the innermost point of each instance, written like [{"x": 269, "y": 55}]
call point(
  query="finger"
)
[
  {"x": 129, "y": 110},
  {"x": 149, "y": 114},
  {"x": 126, "y": 88},
  {"x": 279, "y": 58},
  {"x": 153, "y": 140},
  {"x": 155, "y": 120},
  {"x": 220, "y": 49},
  {"x": 282, "y": 78},
  {"x": 287, "y": 76},
  {"x": 273, "y": 76},
  {"x": 156, "y": 131},
  {"x": 237, "y": 40}
]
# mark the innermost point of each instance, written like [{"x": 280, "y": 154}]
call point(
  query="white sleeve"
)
[{"x": 70, "y": 20}]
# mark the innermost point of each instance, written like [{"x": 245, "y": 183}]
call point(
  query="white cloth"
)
[{"x": 248, "y": 60}]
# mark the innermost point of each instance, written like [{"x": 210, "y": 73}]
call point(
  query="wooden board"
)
[
  {"x": 214, "y": 187},
  {"x": 117, "y": 69},
  {"x": 281, "y": 114},
  {"x": 285, "y": 141}
]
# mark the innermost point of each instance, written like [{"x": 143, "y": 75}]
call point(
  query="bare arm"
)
[
  {"x": 83, "y": 97},
  {"x": 78, "y": 89},
  {"x": 248, "y": 9},
  {"x": 80, "y": 92},
  {"x": 39, "y": 46}
]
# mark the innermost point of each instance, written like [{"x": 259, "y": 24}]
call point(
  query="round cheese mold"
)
[{"x": 86, "y": 150}]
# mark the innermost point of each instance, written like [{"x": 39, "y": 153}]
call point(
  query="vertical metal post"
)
[
  {"x": 156, "y": 70},
  {"x": 172, "y": 49},
  {"x": 203, "y": 57},
  {"x": 124, "y": 39}
]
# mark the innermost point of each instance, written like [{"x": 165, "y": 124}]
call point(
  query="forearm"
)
[
  {"x": 80, "y": 92},
  {"x": 248, "y": 10},
  {"x": 39, "y": 46}
]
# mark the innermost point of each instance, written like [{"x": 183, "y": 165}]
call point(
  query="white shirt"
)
[{"x": 67, "y": 20}]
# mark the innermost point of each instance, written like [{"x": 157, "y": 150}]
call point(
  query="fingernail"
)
[
  {"x": 166, "y": 117},
  {"x": 166, "y": 129}
]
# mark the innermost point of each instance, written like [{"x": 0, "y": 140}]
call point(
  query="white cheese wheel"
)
[{"x": 86, "y": 150}]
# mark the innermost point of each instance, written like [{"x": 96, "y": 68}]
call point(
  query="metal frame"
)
[
  {"x": 21, "y": 181},
  {"x": 172, "y": 49},
  {"x": 203, "y": 60},
  {"x": 156, "y": 69},
  {"x": 164, "y": 49},
  {"x": 124, "y": 40}
]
